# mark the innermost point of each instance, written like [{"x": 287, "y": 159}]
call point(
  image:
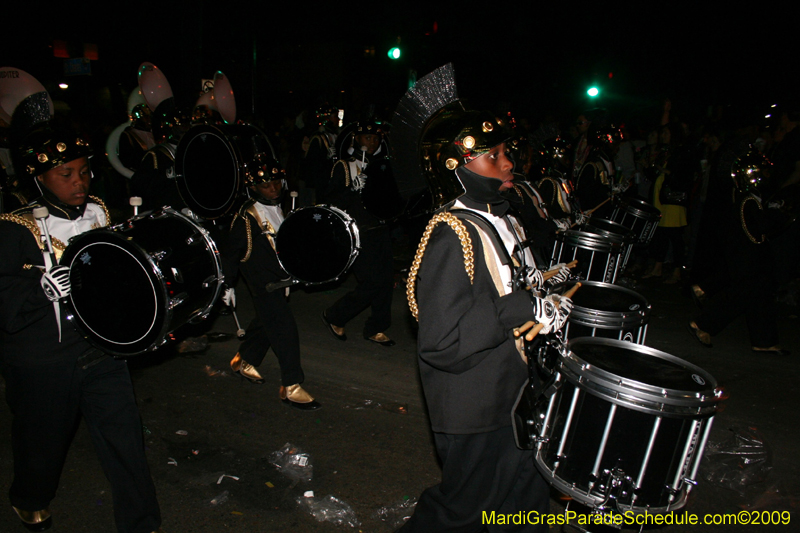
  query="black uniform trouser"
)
[
  {"x": 274, "y": 326},
  {"x": 46, "y": 402},
  {"x": 480, "y": 472},
  {"x": 751, "y": 293},
  {"x": 373, "y": 269}
]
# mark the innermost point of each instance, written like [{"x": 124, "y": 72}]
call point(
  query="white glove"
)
[
  {"x": 545, "y": 313},
  {"x": 562, "y": 224},
  {"x": 580, "y": 218},
  {"x": 229, "y": 297},
  {"x": 563, "y": 306},
  {"x": 358, "y": 182},
  {"x": 533, "y": 278},
  {"x": 561, "y": 276},
  {"x": 55, "y": 283}
]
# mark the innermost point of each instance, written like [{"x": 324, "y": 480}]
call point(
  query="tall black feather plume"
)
[{"x": 431, "y": 93}]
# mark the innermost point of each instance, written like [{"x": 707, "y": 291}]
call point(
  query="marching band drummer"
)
[
  {"x": 53, "y": 376},
  {"x": 250, "y": 248},
  {"x": 368, "y": 163},
  {"x": 470, "y": 361}
]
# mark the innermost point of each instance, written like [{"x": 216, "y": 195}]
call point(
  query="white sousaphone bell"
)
[
  {"x": 23, "y": 99},
  {"x": 218, "y": 99}
]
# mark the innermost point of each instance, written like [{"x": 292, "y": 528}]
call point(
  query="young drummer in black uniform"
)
[
  {"x": 470, "y": 361},
  {"x": 367, "y": 167},
  {"x": 250, "y": 248},
  {"x": 53, "y": 376}
]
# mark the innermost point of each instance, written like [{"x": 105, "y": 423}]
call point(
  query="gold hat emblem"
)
[
  {"x": 42, "y": 158},
  {"x": 487, "y": 127},
  {"x": 31, "y": 170},
  {"x": 61, "y": 147},
  {"x": 451, "y": 163},
  {"x": 469, "y": 142}
]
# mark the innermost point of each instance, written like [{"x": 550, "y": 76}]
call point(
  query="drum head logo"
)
[
  {"x": 85, "y": 258},
  {"x": 634, "y": 307},
  {"x": 317, "y": 217},
  {"x": 698, "y": 379}
]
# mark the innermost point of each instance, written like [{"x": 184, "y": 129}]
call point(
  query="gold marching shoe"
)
[
  {"x": 297, "y": 397},
  {"x": 35, "y": 520},
  {"x": 382, "y": 339},
  {"x": 246, "y": 370}
]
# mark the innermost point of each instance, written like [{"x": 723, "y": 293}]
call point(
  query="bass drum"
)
[
  {"x": 626, "y": 426},
  {"x": 211, "y": 164},
  {"x": 134, "y": 283},
  {"x": 317, "y": 244}
]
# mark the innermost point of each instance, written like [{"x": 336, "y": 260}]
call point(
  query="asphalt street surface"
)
[{"x": 370, "y": 445}]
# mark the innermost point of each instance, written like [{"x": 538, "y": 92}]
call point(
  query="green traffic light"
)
[
  {"x": 593, "y": 91},
  {"x": 394, "y": 53}
]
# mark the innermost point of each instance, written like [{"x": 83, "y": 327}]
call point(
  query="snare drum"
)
[
  {"x": 609, "y": 228},
  {"x": 609, "y": 311},
  {"x": 134, "y": 283},
  {"x": 211, "y": 164},
  {"x": 317, "y": 244},
  {"x": 638, "y": 216},
  {"x": 626, "y": 426},
  {"x": 598, "y": 256}
]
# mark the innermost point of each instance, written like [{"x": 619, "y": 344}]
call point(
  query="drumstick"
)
[
  {"x": 239, "y": 331},
  {"x": 550, "y": 273},
  {"x": 595, "y": 208}
]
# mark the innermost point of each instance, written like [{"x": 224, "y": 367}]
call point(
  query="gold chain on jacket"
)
[
  {"x": 269, "y": 231},
  {"x": 466, "y": 247},
  {"x": 744, "y": 224}
]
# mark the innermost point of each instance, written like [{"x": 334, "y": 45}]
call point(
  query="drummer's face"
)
[
  {"x": 372, "y": 142},
  {"x": 496, "y": 164},
  {"x": 69, "y": 182},
  {"x": 269, "y": 190}
]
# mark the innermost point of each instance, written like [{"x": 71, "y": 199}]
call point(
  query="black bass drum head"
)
[
  {"x": 117, "y": 297},
  {"x": 316, "y": 244}
]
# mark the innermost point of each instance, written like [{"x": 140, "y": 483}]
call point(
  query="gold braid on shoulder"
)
[
  {"x": 99, "y": 202},
  {"x": 748, "y": 198},
  {"x": 466, "y": 246},
  {"x": 249, "y": 235}
]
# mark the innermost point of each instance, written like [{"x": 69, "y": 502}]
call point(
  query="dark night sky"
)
[{"x": 534, "y": 59}]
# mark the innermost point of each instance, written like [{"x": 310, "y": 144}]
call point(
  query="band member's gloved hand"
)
[
  {"x": 229, "y": 297},
  {"x": 545, "y": 313},
  {"x": 358, "y": 182},
  {"x": 561, "y": 276},
  {"x": 534, "y": 278},
  {"x": 562, "y": 224},
  {"x": 580, "y": 218},
  {"x": 564, "y": 308},
  {"x": 55, "y": 283}
]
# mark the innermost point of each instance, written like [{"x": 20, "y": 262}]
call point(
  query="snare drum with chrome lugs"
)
[
  {"x": 625, "y": 426},
  {"x": 598, "y": 256},
  {"x": 609, "y": 311},
  {"x": 639, "y": 216}
]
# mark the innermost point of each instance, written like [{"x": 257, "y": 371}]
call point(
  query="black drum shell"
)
[
  {"x": 136, "y": 282},
  {"x": 639, "y": 216},
  {"x": 640, "y": 395},
  {"x": 608, "y": 311},
  {"x": 599, "y": 257}
]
